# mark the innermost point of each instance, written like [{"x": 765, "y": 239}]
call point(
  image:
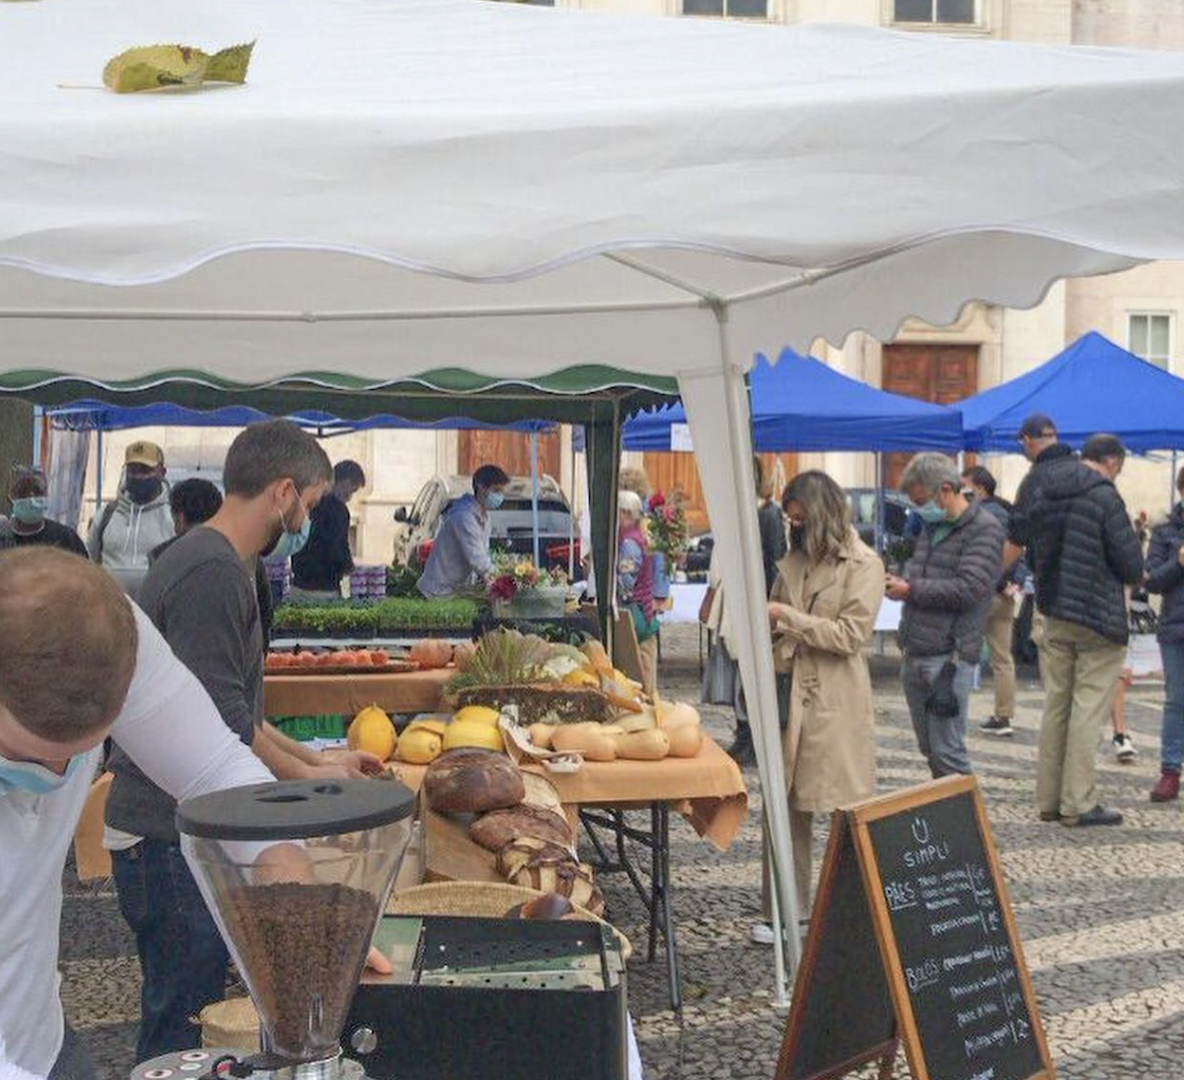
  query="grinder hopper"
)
[{"x": 296, "y": 874}]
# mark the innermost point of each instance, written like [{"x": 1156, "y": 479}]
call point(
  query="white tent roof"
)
[
  {"x": 387, "y": 156},
  {"x": 405, "y": 185}
]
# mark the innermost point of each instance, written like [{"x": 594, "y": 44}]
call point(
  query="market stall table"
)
[
  {"x": 708, "y": 790},
  {"x": 345, "y": 695}
]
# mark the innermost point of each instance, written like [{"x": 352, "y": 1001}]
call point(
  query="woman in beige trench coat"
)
[{"x": 823, "y": 610}]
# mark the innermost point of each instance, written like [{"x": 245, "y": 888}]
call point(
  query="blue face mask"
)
[
  {"x": 32, "y": 778},
  {"x": 291, "y": 542},
  {"x": 931, "y": 513},
  {"x": 31, "y": 510},
  {"x": 494, "y": 499}
]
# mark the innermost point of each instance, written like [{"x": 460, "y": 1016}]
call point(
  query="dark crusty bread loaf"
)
[
  {"x": 470, "y": 780},
  {"x": 499, "y": 827}
]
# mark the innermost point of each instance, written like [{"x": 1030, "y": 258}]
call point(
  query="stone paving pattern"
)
[{"x": 1100, "y": 913}]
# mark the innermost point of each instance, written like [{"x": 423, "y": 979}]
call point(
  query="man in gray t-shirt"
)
[{"x": 200, "y": 594}]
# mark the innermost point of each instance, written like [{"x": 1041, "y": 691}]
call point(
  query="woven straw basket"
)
[{"x": 480, "y": 899}]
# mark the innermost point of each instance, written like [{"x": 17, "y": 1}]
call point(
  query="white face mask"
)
[{"x": 35, "y": 779}]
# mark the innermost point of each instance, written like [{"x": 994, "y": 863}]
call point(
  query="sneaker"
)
[
  {"x": 1124, "y": 748},
  {"x": 1099, "y": 815},
  {"x": 762, "y": 933},
  {"x": 997, "y": 725},
  {"x": 1168, "y": 787}
]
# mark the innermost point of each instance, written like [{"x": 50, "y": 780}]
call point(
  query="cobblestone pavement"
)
[{"x": 1100, "y": 913}]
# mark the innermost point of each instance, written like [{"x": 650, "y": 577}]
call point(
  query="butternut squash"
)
[
  {"x": 643, "y": 746},
  {"x": 540, "y": 735},
  {"x": 685, "y": 741},
  {"x": 587, "y": 738},
  {"x": 675, "y": 714}
]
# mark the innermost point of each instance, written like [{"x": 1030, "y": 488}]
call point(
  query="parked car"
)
[
  {"x": 863, "y": 515},
  {"x": 513, "y": 528}
]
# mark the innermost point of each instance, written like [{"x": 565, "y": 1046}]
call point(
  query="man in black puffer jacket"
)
[{"x": 1084, "y": 553}]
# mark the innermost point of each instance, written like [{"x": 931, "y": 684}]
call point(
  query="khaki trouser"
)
[
  {"x": 801, "y": 833},
  {"x": 1080, "y": 669},
  {"x": 648, "y": 650},
  {"x": 999, "y": 631}
]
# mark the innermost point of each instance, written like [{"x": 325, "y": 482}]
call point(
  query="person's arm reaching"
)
[
  {"x": 171, "y": 729},
  {"x": 846, "y": 633},
  {"x": 203, "y": 621},
  {"x": 1124, "y": 553},
  {"x": 349, "y": 764},
  {"x": 474, "y": 544}
]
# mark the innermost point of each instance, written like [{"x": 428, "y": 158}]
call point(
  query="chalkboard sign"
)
[
  {"x": 842, "y": 1013},
  {"x": 951, "y": 971}
]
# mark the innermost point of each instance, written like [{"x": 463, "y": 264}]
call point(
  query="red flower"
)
[
  {"x": 656, "y": 500},
  {"x": 503, "y": 588}
]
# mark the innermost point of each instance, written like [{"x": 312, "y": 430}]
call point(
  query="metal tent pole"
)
[{"x": 534, "y": 493}]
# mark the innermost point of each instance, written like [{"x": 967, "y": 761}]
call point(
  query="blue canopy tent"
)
[
  {"x": 98, "y": 416},
  {"x": 1093, "y": 385},
  {"x": 800, "y": 403},
  {"x": 93, "y": 415}
]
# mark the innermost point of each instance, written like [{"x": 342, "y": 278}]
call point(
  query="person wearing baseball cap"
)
[
  {"x": 1041, "y": 446},
  {"x": 139, "y": 520}
]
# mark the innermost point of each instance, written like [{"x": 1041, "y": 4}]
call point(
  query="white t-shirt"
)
[{"x": 172, "y": 731}]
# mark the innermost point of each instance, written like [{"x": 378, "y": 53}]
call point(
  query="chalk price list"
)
[{"x": 956, "y": 955}]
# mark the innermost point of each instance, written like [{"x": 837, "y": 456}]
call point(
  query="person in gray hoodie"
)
[
  {"x": 124, "y": 533},
  {"x": 946, "y": 590}
]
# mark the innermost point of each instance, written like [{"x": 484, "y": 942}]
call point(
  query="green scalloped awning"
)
[{"x": 565, "y": 396}]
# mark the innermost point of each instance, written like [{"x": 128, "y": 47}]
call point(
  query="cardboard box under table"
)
[{"x": 708, "y": 790}]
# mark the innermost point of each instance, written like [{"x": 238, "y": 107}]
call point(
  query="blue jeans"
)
[
  {"x": 1171, "y": 752},
  {"x": 941, "y": 740},
  {"x": 182, "y": 957}
]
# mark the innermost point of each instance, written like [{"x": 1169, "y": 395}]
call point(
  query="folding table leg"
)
[{"x": 660, "y": 911}]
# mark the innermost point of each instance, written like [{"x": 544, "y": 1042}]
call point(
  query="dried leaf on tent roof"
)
[
  {"x": 157, "y": 67},
  {"x": 230, "y": 65}
]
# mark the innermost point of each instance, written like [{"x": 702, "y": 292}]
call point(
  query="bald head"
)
[{"x": 68, "y": 643}]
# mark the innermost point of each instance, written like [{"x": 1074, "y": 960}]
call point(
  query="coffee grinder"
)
[{"x": 296, "y": 875}]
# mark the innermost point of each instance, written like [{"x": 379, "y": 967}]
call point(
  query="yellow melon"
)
[
  {"x": 472, "y": 733},
  {"x": 372, "y": 731},
  {"x": 420, "y": 746},
  {"x": 477, "y": 714}
]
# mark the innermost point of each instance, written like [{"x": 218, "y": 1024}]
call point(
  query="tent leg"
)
[
  {"x": 571, "y": 520},
  {"x": 98, "y": 471},
  {"x": 534, "y": 494},
  {"x": 729, "y": 485}
]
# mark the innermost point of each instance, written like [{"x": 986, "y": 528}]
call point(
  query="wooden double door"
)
[
  {"x": 942, "y": 374},
  {"x": 510, "y": 450}
]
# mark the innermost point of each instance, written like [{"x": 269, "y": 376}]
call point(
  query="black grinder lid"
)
[{"x": 294, "y": 809}]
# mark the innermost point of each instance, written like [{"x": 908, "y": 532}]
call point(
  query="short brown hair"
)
[
  {"x": 274, "y": 450},
  {"x": 70, "y": 643}
]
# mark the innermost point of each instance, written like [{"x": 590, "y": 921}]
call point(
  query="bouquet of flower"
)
[
  {"x": 666, "y": 525},
  {"x": 513, "y": 575}
]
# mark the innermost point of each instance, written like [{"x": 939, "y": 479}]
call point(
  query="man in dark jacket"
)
[
  {"x": 1084, "y": 554},
  {"x": 947, "y": 590},
  {"x": 1165, "y": 575},
  {"x": 979, "y": 484},
  {"x": 1038, "y": 437},
  {"x": 318, "y": 569}
]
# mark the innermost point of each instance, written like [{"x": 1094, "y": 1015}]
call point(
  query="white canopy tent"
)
[{"x": 408, "y": 185}]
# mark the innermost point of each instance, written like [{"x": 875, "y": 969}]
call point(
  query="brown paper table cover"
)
[
  {"x": 708, "y": 789},
  {"x": 345, "y": 695}
]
